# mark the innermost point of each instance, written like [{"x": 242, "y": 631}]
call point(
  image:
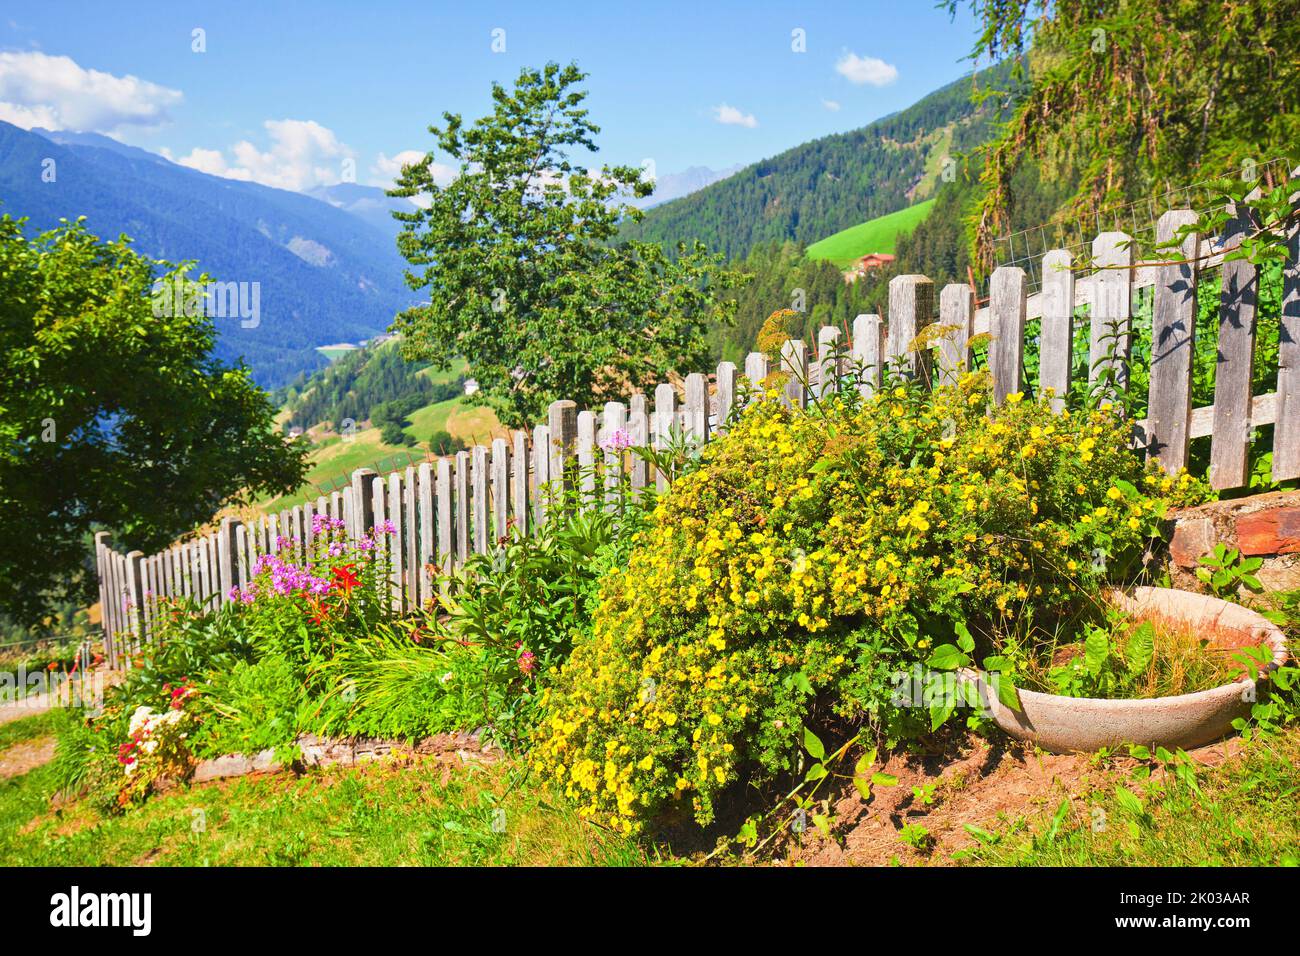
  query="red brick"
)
[{"x": 1273, "y": 531}]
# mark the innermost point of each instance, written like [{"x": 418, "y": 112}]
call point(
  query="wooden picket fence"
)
[{"x": 444, "y": 511}]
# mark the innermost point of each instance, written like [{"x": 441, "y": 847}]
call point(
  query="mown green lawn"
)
[
  {"x": 422, "y": 812},
  {"x": 381, "y": 814},
  {"x": 874, "y": 235}
]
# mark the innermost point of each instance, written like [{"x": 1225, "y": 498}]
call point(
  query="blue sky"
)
[{"x": 285, "y": 93}]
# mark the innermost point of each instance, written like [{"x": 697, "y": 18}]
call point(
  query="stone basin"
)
[{"x": 1085, "y": 724}]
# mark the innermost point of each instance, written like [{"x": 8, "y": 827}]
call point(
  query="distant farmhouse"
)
[{"x": 868, "y": 263}]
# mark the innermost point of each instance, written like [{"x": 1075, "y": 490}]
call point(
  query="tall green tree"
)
[
  {"x": 1131, "y": 98},
  {"x": 525, "y": 277},
  {"x": 112, "y": 416}
]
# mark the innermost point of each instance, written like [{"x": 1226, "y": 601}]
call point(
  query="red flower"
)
[
  {"x": 345, "y": 577},
  {"x": 318, "y": 613}
]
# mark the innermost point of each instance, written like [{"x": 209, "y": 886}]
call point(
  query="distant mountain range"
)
[
  {"x": 823, "y": 186},
  {"x": 326, "y": 259},
  {"x": 676, "y": 185},
  {"x": 368, "y": 203},
  {"x": 328, "y": 267}
]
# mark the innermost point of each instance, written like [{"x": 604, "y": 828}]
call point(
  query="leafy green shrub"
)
[
  {"x": 441, "y": 442},
  {"x": 392, "y": 433},
  {"x": 811, "y": 558},
  {"x": 250, "y": 708}
]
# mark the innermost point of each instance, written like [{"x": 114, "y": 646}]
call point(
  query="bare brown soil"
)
[
  {"x": 987, "y": 785},
  {"x": 25, "y": 756}
]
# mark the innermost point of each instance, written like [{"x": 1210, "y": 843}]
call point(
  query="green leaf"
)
[
  {"x": 865, "y": 762},
  {"x": 1141, "y": 645},
  {"x": 823, "y": 823},
  {"x": 1096, "y": 649},
  {"x": 964, "y": 640},
  {"x": 980, "y": 834},
  {"x": 997, "y": 662},
  {"x": 947, "y": 657},
  {"x": 1129, "y": 802},
  {"x": 815, "y": 772},
  {"x": 1008, "y": 693},
  {"x": 812, "y": 743},
  {"x": 1057, "y": 819},
  {"x": 881, "y": 779},
  {"x": 940, "y": 711}
]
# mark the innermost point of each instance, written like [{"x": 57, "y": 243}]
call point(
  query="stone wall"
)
[{"x": 1265, "y": 526}]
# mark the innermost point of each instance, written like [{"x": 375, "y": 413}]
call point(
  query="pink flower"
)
[
  {"x": 616, "y": 441},
  {"x": 527, "y": 660}
]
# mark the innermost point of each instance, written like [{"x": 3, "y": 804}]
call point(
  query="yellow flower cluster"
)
[{"x": 733, "y": 611}]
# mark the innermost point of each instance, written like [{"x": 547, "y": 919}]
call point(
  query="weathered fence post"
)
[
  {"x": 794, "y": 364},
  {"x": 500, "y": 488},
  {"x": 363, "y": 507},
  {"x": 956, "y": 315},
  {"x": 243, "y": 562},
  {"x": 1173, "y": 347},
  {"x": 383, "y": 542},
  {"x": 396, "y": 541},
  {"x": 479, "y": 499},
  {"x": 227, "y": 558},
  {"x": 411, "y": 539},
  {"x": 102, "y": 538},
  {"x": 829, "y": 361},
  {"x": 868, "y": 352},
  {"x": 1008, "y": 293},
  {"x": 615, "y": 421},
  {"x": 520, "y": 483},
  {"x": 1286, "y": 431},
  {"x": 697, "y": 408},
  {"x": 911, "y": 307},
  {"x": 1230, "y": 446},
  {"x": 726, "y": 383},
  {"x": 562, "y": 420},
  {"x": 1056, "y": 348},
  {"x": 424, "y": 475},
  {"x": 135, "y": 581},
  {"x": 462, "y": 508},
  {"x": 665, "y": 402},
  {"x": 1112, "y": 310},
  {"x": 445, "y": 521},
  {"x": 638, "y": 433},
  {"x": 541, "y": 470},
  {"x": 586, "y": 449}
]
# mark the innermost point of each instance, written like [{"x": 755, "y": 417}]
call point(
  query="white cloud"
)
[
  {"x": 831, "y": 105},
  {"x": 386, "y": 169},
  {"x": 730, "y": 116},
  {"x": 302, "y": 154},
  {"x": 866, "y": 69},
  {"x": 37, "y": 89}
]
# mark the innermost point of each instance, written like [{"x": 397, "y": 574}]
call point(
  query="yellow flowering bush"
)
[{"x": 811, "y": 555}]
